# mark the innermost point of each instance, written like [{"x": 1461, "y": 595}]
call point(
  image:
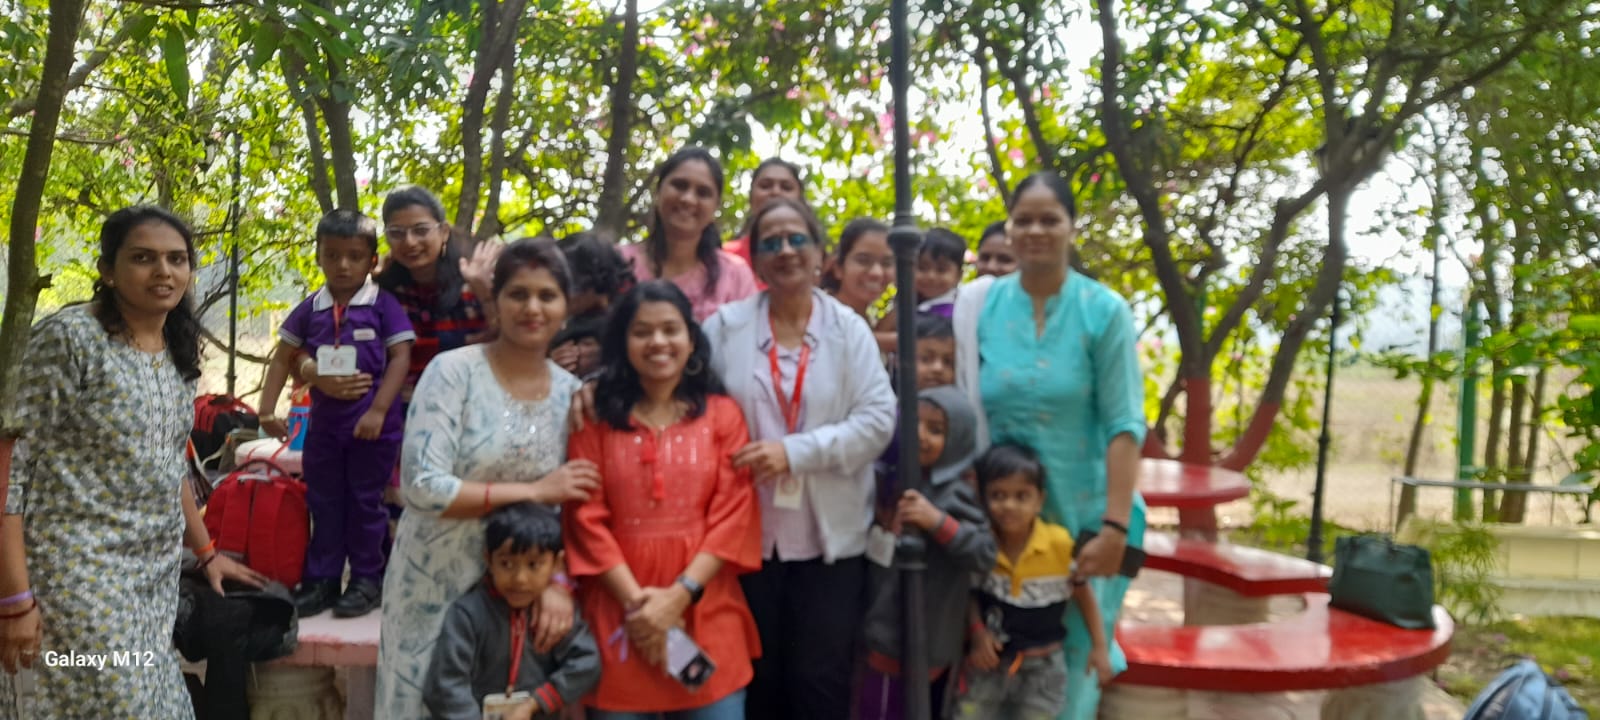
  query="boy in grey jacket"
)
[
  {"x": 960, "y": 548},
  {"x": 485, "y": 646}
]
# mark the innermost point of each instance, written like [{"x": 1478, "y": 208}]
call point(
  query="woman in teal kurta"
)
[{"x": 1049, "y": 355}]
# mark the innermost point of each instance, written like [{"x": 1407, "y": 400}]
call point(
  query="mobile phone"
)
[{"x": 686, "y": 661}]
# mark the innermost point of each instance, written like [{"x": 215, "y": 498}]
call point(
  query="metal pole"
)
[
  {"x": 233, "y": 273},
  {"x": 1467, "y": 413},
  {"x": 1314, "y": 538},
  {"x": 910, "y": 548}
]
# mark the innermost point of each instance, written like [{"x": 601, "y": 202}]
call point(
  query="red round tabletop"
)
[{"x": 1169, "y": 483}]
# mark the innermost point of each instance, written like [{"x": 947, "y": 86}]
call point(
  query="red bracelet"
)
[
  {"x": 32, "y": 603},
  {"x": 208, "y": 548},
  {"x": 486, "y": 506},
  {"x": 977, "y": 627}
]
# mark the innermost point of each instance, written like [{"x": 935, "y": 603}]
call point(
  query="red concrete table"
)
[{"x": 1195, "y": 490}]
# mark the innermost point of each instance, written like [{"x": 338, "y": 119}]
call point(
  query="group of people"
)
[{"x": 654, "y": 480}]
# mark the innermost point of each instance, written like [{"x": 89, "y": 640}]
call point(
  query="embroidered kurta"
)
[
  {"x": 462, "y": 426},
  {"x": 664, "y": 499},
  {"x": 97, "y": 475}
]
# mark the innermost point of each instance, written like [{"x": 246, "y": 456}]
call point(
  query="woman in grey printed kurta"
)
[
  {"x": 471, "y": 445},
  {"x": 103, "y": 406}
]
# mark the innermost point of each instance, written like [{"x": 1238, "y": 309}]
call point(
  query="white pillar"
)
[{"x": 1398, "y": 700}]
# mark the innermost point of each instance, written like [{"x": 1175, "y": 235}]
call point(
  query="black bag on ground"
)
[
  {"x": 230, "y": 632},
  {"x": 1375, "y": 577}
]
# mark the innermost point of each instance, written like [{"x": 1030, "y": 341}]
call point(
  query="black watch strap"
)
[{"x": 696, "y": 590}]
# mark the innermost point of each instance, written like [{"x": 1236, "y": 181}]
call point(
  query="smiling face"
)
[
  {"x": 521, "y": 577},
  {"x": 687, "y": 199},
  {"x": 774, "y": 180},
  {"x": 416, "y": 238},
  {"x": 936, "y": 362},
  {"x": 935, "y": 276},
  {"x": 1013, "y": 502},
  {"x": 532, "y": 308},
  {"x": 658, "y": 342},
  {"x": 151, "y": 271},
  {"x": 996, "y": 256},
  {"x": 932, "y": 427},
  {"x": 1040, "y": 229},
  {"x": 346, "y": 262},
  {"x": 785, "y": 268},
  {"x": 865, "y": 273}
]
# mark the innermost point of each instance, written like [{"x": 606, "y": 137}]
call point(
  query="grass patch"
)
[{"x": 1566, "y": 647}]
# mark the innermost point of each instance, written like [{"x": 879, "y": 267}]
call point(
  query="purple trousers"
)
[{"x": 345, "y": 478}]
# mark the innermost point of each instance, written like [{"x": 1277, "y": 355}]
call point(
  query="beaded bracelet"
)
[{"x": 33, "y": 603}]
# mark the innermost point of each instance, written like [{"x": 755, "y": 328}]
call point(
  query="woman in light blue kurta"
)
[
  {"x": 487, "y": 427},
  {"x": 1049, "y": 355}
]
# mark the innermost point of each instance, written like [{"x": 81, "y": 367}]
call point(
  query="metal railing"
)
[{"x": 1403, "y": 481}]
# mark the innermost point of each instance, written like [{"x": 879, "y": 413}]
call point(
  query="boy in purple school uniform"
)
[{"x": 350, "y": 326}]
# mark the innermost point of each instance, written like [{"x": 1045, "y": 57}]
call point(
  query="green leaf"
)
[
  {"x": 176, "y": 55},
  {"x": 1583, "y": 477},
  {"x": 264, "y": 45}
]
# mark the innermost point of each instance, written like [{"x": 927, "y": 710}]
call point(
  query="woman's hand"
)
[
  {"x": 659, "y": 610},
  {"x": 572, "y": 482},
  {"x": 765, "y": 458},
  {"x": 554, "y": 619},
  {"x": 223, "y": 567},
  {"x": 582, "y": 410},
  {"x": 19, "y": 640},
  {"x": 1102, "y": 555},
  {"x": 478, "y": 271},
  {"x": 1100, "y": 664},
  {"x": 985, "y": 652}
]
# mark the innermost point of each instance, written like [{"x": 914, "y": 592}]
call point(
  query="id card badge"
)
[
  {"x": 336, "y": 360},
  {"x": 786, "y": 492},
  {"x": 880, "y": 546}
]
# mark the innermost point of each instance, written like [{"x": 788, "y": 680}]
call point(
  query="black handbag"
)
[{"x": 1377, "y": 578}]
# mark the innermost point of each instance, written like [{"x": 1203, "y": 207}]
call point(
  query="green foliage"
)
[
  {"x": 1463, "y": 560},
  {"x": 1565, "y": 647}
]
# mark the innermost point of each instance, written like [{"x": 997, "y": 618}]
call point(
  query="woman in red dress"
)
[{"x": 662, "y": 543}]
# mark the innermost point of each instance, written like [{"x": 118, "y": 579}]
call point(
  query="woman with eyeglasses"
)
[
  {"x": 683, "y": 243},
  {"x": 775, "y": 177},
  {"x": 804, "y": 368}
]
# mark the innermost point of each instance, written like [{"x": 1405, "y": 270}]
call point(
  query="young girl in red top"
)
[{"x": 662, "y": 543}]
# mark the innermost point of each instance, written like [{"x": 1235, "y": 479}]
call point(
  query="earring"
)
[{"x": 694, "y": 367}]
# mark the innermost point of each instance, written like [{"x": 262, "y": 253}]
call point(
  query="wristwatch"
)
[{"x": 696, "y": 590}]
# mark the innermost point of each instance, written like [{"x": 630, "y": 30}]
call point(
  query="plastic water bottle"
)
[{"x": 299, "y": 423}]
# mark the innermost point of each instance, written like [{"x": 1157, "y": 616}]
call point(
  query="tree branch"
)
[
  {"x": 997, "y": 168},
  {"x": 91, "y": 62}
]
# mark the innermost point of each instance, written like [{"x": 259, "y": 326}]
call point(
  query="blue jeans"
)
[{"x": 728, "y": 708}]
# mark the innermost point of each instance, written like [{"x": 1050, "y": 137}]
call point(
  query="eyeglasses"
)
[
  {"x": 418, "y": 231},
  {"x": 774, "y": 244},
  {"x": 866, "y": 261}
]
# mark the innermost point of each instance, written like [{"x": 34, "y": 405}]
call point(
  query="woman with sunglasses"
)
[{"x": 805, "y": 370}]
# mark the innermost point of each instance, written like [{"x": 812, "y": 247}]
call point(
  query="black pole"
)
[
  {"x": 910, "y": 548},
  {"x": 233, "y": 273},
  {"x": 1314, "y": 538}
]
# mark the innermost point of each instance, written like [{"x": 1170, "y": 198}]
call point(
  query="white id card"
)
[
  {"x": 336, "y": 361},
  {"x": 880, "y": 546},
  {"x": 786, "y": 492}
]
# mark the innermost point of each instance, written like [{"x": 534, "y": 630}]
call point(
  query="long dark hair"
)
[
  {"x": 1059, "y": 187},
  {"x": 447, "y": 277},
  {"x": 618, "y": 389},
  {"x": 181, "y": 330},
  {"x": 774, "y": 161},
  {"x": 655, "y": 242},
  {"x": 852, "y": 232}
]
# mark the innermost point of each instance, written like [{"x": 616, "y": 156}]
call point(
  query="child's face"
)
[
  {"x": 1013, "y": 502},
  {"x": 996, "y": 256},
  {"x": 931, "y": 429},
  {"x": 936, "y": 276},
  {"x": 866, "y": 272},
  {"x": 521, "y": 577},
  {"x": 936, "y": 362},
  {"x": 346, "y": 262}
]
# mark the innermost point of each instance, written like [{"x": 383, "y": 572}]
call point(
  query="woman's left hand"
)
[
  {"x": 765, "y": 458},
  {"x": 554, "y": 619},
  {"x": 223, "y": 567},
  {"x": 1102, "y": 555},
  {"x": 661, "y": 610}
]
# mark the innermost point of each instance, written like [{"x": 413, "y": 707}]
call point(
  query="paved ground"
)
[{"x": 1157, "y": 597}]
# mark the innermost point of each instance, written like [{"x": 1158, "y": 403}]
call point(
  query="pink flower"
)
[
  {"x": 1015, "y": 155},
  {"x": 793, "y": 93},
  {"x": 983, "y": 182},
  {"x": 778, "y": 25},
  {"x": 1094, "y": 177}
]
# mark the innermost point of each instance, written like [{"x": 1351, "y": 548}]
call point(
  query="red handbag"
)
[{"x": 259, "y": 512}]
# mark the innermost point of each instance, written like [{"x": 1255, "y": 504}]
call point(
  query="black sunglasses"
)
[{"x": 774, "y": 244}]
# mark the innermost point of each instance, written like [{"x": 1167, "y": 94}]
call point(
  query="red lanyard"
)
[
  {"x": 338, "y": 316},
  {"x": 791, "y": 407},
  {"x": 519, "y": 636}
]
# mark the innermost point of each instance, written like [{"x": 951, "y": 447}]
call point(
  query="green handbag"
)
[{"x": 1375, "y": 577}]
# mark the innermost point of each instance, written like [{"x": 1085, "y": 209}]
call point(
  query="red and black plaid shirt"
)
[{"x": 437, "y": 333}]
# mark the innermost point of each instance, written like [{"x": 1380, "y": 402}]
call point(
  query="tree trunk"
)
[
  {"x": 499, "y": 127},
  {"x": 997, "y": 169},
  {"x": 1419, "y": 426},
  {"x": 1491, "y": 444},
  {"x": 1511, "y": 505},
  {"x": 294, "y": 73},
  {"x": 22, "y": 273},
  {"x": 497, "y": 34},
  {"x": 341, "y": 143},
  {"x": 611, "y": 213}
]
